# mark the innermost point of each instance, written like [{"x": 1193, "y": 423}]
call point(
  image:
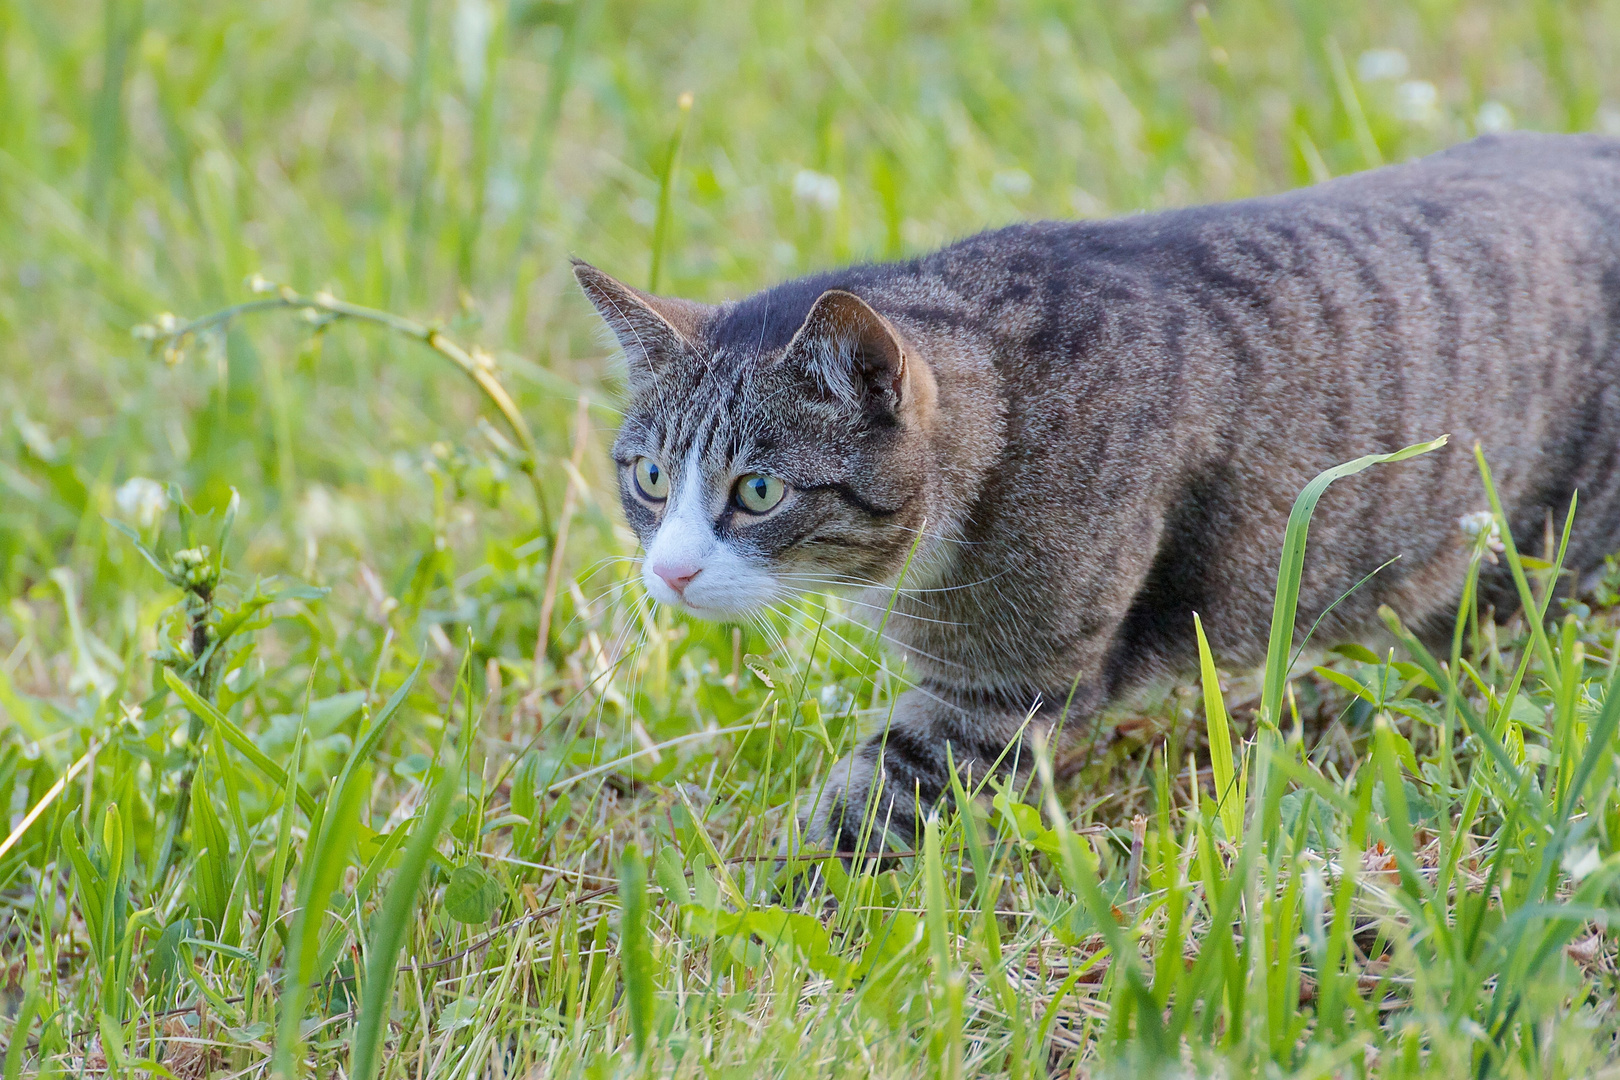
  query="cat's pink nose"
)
[{"x": 677, "y": 577}]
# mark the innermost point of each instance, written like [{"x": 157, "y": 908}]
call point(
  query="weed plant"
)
[{"x": 337, "y": 737}]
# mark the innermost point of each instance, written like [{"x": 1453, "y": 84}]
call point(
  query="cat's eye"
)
[
  {"x": 652, "y": 482},
  {"x": 758, "y": 493}
]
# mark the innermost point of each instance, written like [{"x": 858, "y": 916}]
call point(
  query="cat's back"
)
[
  {"x": 1474, "y": 187},
  {"x": 1059, "y": 284}
]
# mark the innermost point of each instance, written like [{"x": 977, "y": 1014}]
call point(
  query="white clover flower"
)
[
  {"x": 1482, "y": 523},
  {"x": 1013, "y": 182},
  {"x": 1582, "y": 862},
  {"x": 469, "y": 39},
  {"x": 322, "y": 514},
  {"x": 142, "y": 499},
  {"x": 1493, "y": 116},
  {"x": 816, "y": 189},
  {"x": 1417, "y": 101},
  {"x": 1376, "y": 65}
]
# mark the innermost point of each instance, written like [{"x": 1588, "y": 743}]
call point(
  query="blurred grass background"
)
[{"x": 442, "y": 159}]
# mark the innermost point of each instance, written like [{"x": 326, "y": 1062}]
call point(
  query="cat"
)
[{"x": 1081, "y": 433}]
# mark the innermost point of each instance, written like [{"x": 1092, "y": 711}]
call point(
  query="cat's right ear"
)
[{"x": 653, "y": 331}]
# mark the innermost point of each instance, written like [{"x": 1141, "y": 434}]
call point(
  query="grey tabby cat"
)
[{"x": 1091, "y": 430}]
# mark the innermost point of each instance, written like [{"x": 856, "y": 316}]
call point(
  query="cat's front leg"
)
[{"x": 875, "y": 798}]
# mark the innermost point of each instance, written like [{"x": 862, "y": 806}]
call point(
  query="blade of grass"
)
[
  {"x": 1537, "y": 628},
  {"x": 237, "y": 738},
  {"x": 390, "y": 926},
  {"x": 666, "y": 182},
  {"x": 635, "y": 960},
  {"x": 1291, "y": 565},
  {"x": 1228, "y": 799}
]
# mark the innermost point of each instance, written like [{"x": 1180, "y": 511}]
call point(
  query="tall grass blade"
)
[
  {"x": 1229, "y": 799},
  {"x": 390, "y": 926},
  {"x": 635, "y": 958},
  {"x": 1534, "y": 612},
  {"x": 237, "y": 738},
  {"x": 666, "y": 182},
  {"x": 560, "y": 76},
  {"x": 1291, "y": 566}
]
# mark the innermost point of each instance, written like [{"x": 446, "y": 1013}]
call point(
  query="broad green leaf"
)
[{"x": 473, "y": 895}]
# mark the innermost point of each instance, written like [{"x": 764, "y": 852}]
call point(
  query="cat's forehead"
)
[{"x": 726, "y": 402}]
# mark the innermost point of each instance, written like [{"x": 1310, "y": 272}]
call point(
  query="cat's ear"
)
[
  {"x": 654, "y": 331},
  {"x": 854, "y": 353}
]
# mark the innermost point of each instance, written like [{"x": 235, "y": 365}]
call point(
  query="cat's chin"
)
[{"x": 715, "y": 615}]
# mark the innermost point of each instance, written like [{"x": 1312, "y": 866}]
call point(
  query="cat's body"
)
[{"x": 1100, "y": 428}]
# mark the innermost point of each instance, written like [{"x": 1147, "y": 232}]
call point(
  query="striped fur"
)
[{"x": 1098, "y": 428}]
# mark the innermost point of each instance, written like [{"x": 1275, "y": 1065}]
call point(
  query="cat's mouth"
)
[{"x": 716, "y": 595}]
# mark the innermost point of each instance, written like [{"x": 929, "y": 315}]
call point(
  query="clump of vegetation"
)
[{"x": 384, "y": 766}]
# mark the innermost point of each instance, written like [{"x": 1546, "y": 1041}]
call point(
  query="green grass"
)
[{"x": 374, "y": 829}]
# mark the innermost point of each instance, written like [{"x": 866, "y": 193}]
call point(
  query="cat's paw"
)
[{"x": 856, "y": 813}]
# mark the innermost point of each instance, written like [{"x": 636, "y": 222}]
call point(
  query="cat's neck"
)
[{"x": 963, "y": 418}]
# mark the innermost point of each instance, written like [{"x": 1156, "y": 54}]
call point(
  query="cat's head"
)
[{"x": 755, "y": 465}]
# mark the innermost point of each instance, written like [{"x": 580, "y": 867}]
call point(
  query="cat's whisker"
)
[
  {"x": 850, "y": 653},
  {"x": 607, "y": 560},
  {"x": 901, "y": 645},
  {"x": 885, "y": 637},
  {"x": 932, "y": 535},
  {"x": 910, "y": 685},
  {"x": 777, "y": 640},
  {"x": 904, "y": 590},
  {"x": 896, "y": 612}
]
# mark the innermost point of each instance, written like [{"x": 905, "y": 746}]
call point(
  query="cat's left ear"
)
[
  {"x": 654, "y": 331},
  {"x": 853, "y": 352}
]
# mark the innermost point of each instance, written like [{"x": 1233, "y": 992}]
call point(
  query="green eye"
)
[
  {"x": 758, "y": 493},
  {"x": 652, "y": 483}
]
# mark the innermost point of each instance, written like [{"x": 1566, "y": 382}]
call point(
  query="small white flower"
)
[
  {"x": 469, "y": 39},
  {"x": 816, "y": 189},
  {"x": 36, "y": 438},
  {"x": 1482, "y": 523},
  {"x": 1417, "y": 101},
  {"x": 1493, "y": 116},
  {"x": 1013, "y": 182},
  {"x": 142, "y": 499},
  {"x": 502, "y": 194},
  {"x": 641, "y": 211},
  {"x": 322, "y": 514},
  {"x": 1378, "y": 64},
  {"x": 1582, "y": 862}
]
